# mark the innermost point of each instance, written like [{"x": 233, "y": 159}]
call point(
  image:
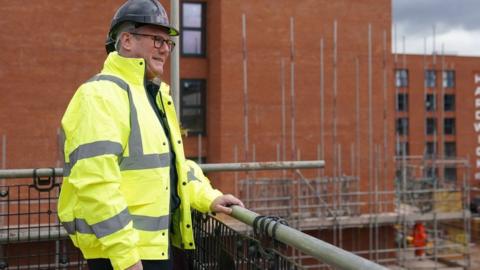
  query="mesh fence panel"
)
[{"x": 31, "y": 236}]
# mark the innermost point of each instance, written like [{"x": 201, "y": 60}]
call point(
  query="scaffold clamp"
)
[
  {"x": 43, "y": 183},
  {"x": 261, "y": 224}
]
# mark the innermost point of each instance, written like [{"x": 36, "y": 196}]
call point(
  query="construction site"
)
[{"x": 334, "y": 130}]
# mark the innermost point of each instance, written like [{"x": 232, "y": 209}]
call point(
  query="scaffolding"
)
[
  {"x": 31, "y": 235},
  {"x": 347, "y": 202},
  {"x": 334, "y": 207}
]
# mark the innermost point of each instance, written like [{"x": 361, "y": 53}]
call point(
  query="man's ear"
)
[{"x": 126, "y": 41}]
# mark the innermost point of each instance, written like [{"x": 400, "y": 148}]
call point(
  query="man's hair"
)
[{"x": 124, "y": 27}]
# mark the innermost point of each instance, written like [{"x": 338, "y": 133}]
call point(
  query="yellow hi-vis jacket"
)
[{"x": 115, "y": 197}]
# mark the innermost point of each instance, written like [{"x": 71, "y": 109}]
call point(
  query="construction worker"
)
[
  {"x": 419, "y": 239},
  {"x": 128, "y": 190}
]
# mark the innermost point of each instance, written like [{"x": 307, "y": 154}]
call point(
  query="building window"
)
[
  {"x": 430, "y": 172},
  {"x": 430, "y": 78},
  {"x": 401, "y": 78},
  {"x": 192, "y": 107},
  {"x": 402, "y": 126},
  {"x": 449, "y": 78},
  {"x": 450, "y": 174},
  {"x": 401, "y": 149},
  {"x": 431, "y": 126},
  {"x": 449, "y": 103},
  {"x": 402, "y": 102},
  {"x": 403, "y": 173},
  {"x": 430, "y": 103},
  {"x": 430, "y": 149},
  {"x": 398, "y": 174},
  {"x": 193, "y": 29},
  {"x": 450, "y": 149},
  {"x": 449, "y": 126}
]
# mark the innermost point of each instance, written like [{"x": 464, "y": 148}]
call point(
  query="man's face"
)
[{"x": 147, "y": 45}]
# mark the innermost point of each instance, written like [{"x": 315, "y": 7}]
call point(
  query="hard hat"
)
[{"x": 139, "y": 12}]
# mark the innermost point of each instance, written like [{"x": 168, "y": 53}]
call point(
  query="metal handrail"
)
[
  {"x": 317, "y": 248},
  {"x": 212, "y": 167}
]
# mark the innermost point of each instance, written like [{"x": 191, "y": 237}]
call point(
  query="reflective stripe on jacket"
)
[{"x": 114, "y": 201}]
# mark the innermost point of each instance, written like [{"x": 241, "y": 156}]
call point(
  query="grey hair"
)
[{"x": 124, "y": 27}]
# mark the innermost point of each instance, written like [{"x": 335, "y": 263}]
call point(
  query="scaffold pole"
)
[
  {"x": 212, "y": 167},
  {"x": 310, "y": 245}
]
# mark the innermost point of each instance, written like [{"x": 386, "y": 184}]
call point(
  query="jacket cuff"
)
[
  {"x": 209, "y": 198},
  {"x": 124, "y": 260}
]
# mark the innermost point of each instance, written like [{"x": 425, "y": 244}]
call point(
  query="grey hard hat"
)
[{"x": 139, "y": 12}]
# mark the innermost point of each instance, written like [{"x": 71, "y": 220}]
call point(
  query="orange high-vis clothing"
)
[
  {"x": 419, "y": 239},
  {"x": 115, "y": 196}
]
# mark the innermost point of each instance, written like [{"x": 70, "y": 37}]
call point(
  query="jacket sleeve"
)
[
  {"x": 96, "y": 126},
  {"x": 201, "y": 193}
]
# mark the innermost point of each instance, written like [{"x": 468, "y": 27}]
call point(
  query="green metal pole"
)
[{"x": 317, "y": 248}]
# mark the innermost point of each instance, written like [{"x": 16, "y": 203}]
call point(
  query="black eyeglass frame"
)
[{"x": 158, "y": 41}]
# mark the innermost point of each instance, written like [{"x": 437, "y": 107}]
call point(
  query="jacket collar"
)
[{"x": 130, "y": 69}]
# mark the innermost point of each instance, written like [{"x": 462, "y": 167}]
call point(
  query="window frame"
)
[
  {"x": 430, "y": 78},
  {"x": 401, "y": 131},
  {"x": 401, "y": 78},
  {"x": 432, "y": 107},
  {"x": 451, "y": 104},
  {"x": 452, "y": 147},
  {"x": 202, "y": 106},
  {"x": 450, "y": 171},
  {"x": 202, "y": 29},
  {"x": 402, "y": 149},
  {"x": 402, "y": 102},
  {"x": 448, "y": 76},
  {"x": 430, "y": 172},
  {"x": 451, "y": 125},
  {"x": 428, "y": 127},
  {"x": 431, "y": 149}
]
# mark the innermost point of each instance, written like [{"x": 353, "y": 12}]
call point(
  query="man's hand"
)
[
  {"x": 222, "y": 203},
  {"x": 137, "y": 266}
]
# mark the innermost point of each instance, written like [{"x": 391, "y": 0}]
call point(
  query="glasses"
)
[{"x": 158, "y": 41}]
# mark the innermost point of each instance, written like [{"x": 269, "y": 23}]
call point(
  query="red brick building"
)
[
  {"x": 436, "y": 109},
  {"x": 58, "y": 45}
]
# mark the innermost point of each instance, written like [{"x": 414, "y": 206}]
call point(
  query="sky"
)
[{"x": 456, "y": 24}]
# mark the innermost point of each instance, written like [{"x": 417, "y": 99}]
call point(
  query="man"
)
[
  {"x": 127, "y": 190},
  {"x": 419, "y": 239}
]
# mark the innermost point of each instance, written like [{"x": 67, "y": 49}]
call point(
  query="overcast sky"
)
[{"x": 457, "y": 26}]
